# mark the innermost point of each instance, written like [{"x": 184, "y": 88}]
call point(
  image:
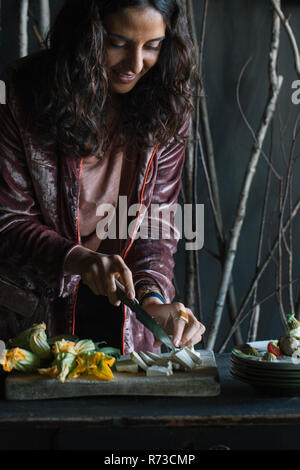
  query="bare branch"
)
[
  {"x": 275, "y": 86},
  {"x": 44, "y": 17},
  {"x": 253, "y": 327},
  {"x": 258, "y": 277},
  {"x": 23, "y": 32},
  {"x": 290, "y": 34}
]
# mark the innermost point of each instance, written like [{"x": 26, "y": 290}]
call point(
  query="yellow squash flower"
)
[
  {"x": 19, "y": 359},
  {"x": 64, "y": 346},
  {"x": 62, "y": 365},
  {"x": 94, "y": 363}
]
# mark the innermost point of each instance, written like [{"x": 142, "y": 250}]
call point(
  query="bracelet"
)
[
  {"x": 151, "y": 294},
  {"x": 144, "y": 284}
]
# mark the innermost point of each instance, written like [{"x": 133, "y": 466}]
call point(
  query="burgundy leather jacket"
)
[{"x": 39, "y": 194}]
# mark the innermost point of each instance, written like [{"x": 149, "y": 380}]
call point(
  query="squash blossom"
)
[
  {"x": 66, "y": 353},
  {"x": 33, "y": 339},
  {"x": 64, "y": 346},
  {"x": 64, "y": 360},
  {"x": 38, "y": 342},
  {"x": 94, "y": 363},
  {"x": 61, "y": 366},
  {"x": 19, "y": 359},
  {"x": 84, "y": 346}
]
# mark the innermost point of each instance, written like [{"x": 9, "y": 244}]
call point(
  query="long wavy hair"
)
[{"x": 74, "y": 96}]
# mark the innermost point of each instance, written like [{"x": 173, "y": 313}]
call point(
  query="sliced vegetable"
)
[
  {"x": 194, "y": 355},
  {"x": 154, "y": 370},
  {"x": 135, "y": 357},
  {"x": 146, "y": 358},
  {"x": 273, "y": 348},
  {"x": 292, "y": 322},
  {"x": 127, "y": 366},
  {"x": 248, "y": 350},
  {"x": 268, "y": 356},
  {"x": 183, "y": 358}
]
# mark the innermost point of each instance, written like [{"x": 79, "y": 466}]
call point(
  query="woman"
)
[{"x": 101, "y": 115}]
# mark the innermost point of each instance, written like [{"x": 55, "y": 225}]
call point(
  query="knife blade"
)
[{"x": 144, "y": 317}]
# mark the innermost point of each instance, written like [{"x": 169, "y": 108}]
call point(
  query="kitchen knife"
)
[{"x": 144, "y": 317}]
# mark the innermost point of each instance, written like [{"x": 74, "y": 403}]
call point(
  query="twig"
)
[
  {"x": 189, "y": 168},
  {"x": 258, "y": 276},
  {"x": 196, "y": 254},
  {"x": 35, "y": 29},
  {"x": 275, "y": 86},
  {"x": 282, "y": 237},
  {"x": 290, "y": 34},
  {"x": 23, "y": 33},
  {"x": 44, "y": 17},
  {"x": 252, "y": 132},
  {"x": 290, "y": 183},
  {"x": 210, "y": 170},
  {"x": 39, "y": 37},
  {"x": 253, "y": 327},
  {"x": 211, "y": 174},
  {"x": 203, "y": 37},
  {"x": 279, "y": 266},
  {"x": 262, "y": 301},
  {"x": 191, "y": 285}
]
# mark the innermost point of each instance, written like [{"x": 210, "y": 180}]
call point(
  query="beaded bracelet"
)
[{"x": 151, "y": 294}]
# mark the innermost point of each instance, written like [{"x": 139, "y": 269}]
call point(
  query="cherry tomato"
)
[{"x": 274, "y": 349}]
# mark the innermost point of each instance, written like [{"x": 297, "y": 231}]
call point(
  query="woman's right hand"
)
[{"x": 99, "y": 271}]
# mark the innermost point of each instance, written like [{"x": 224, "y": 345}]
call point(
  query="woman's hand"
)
[
  {"x": 185, "y": 333},
  {"x": 99, "y": 271}
]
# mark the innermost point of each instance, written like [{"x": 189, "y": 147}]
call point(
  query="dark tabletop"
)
[{"x": 239, "y": 418}]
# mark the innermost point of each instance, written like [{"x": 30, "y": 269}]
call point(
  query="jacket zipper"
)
[
  {"x": 78, "y": 241},
  {"x": 133, "y": 235}
]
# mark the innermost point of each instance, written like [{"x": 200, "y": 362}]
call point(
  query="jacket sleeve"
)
[
  {"x": 151, "y": 259},
  {"x": 23, "y": 236}
]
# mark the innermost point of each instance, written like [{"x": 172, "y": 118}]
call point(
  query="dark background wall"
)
[{"x": 237, "y": 30}]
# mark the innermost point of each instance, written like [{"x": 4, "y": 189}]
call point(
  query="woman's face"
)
[{"x": 135, "y": 37}]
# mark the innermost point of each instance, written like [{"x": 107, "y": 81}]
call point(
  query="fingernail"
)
[{"x": 176, "y": 342}]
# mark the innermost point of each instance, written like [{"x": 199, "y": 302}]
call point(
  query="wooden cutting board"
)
[{"x": 200, "y": 382}]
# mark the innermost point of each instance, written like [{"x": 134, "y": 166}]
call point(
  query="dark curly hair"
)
[{"x": 74, "y": 102}]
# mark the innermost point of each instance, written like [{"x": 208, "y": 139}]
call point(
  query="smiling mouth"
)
[{"x": 123, "y": 77}]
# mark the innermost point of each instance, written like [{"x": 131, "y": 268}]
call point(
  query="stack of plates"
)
[{"x": 280, "y": 376}]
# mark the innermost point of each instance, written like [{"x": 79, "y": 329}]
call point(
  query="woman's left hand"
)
[{"x": 185, "y": 332}]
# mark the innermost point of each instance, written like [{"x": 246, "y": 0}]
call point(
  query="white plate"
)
[{"x": 283, "y": 362}]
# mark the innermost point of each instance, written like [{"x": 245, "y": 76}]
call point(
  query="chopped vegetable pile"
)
[{"x": 160, "y": 364}]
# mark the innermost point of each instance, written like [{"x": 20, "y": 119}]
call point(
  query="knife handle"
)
[{"x": 121, "y": 294}]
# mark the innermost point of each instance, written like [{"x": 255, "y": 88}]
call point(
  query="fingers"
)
[
  {"x": 102, "y": 273},
  {"x": 111, "y": 290},
  {"x": 193, "y": 332},
  {"x": 185, "y": 332},
  {"x": 187, "y": 329},
  {"x": 120, "y": 271}
]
